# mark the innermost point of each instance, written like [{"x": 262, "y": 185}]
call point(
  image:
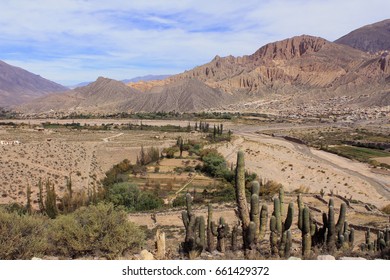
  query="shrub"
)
[
  {"x": 189, "y": 169},
  {"x": 129, "y": 196},
  {"x": 214, "y": 163},
  {"x": 22, "y": 237},
  {"x": 179, "y": 201},
  {"x": 93, "y": 230},
  {"x": 148, "y": 201},
  {"x": 124, "y": 194},
  {"x": 270, "y": 188},
  {"x": 386, "y": 209},
  {"x": 224, "y": 194},
  {"x": 170, "y": 152}
]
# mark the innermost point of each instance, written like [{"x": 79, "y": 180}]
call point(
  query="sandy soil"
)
[
  {"x": 297, "y": 166},
  {"x": 55, "y": 154},
  {"x": 383, "y": 160}
]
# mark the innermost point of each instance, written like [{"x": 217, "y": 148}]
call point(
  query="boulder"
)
[{"x": 326, "y": 258}]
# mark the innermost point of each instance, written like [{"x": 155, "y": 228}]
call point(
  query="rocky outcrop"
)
[{"x": 299, "y": 64}]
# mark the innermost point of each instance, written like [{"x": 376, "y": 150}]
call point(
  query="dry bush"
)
[
  {"x": 302, "y": 189},
  {"x": 270, "y": 188},
  {"x": 94, "y": 230},
  {"x": 386, "y": 209},
  {"x": 22, "y": 237}
]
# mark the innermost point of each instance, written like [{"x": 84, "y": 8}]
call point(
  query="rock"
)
[
  {"x": 146, "y": 255},
  {"x": 326, "y": 258},
  {"x": 218, "y": 254},
  {"x": 206, "y": 255},
  {"x": 351, "y": 258},
  {"x": 294, "y": 259},
  {"x": 36, "y": 259}
]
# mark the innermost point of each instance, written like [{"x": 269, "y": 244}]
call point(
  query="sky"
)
[{"x": 72, "y": 41}]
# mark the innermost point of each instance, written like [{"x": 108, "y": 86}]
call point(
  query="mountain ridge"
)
[
  {"x": 370, "y": 38},
  {"x": 18, "y": 85},
  {"x": 303, "y": 68}
]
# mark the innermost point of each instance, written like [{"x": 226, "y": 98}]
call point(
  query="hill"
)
[
  {"x": 103, "y": 95},
  {"x": 110, "y": 96},
  {"x": 187, "y": 95},
  {"x": 370, "y": 38},
  {"x": 302, "y": 64},
  {"x": 18, "y": 85}
]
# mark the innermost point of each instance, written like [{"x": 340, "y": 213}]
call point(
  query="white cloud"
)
[{"x": 75, "y": 40}]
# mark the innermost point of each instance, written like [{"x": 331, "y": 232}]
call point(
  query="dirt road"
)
[{"x": 298, "y": 166}]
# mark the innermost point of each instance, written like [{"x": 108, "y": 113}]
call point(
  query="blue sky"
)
[{"x": 71, "y": 41}]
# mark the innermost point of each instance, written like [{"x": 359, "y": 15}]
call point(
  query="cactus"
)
[
  {"x": 334, "y": 235},
  {"x": 251, "y": 234},
  {"x": 387, "y": 236},
  {"x": 255, "y": 217},
  {"x": 351, "y": 239},
  {"x": 289, "y": 217},
  {"x": 336, "y": 231},
  {"x": 277, "y": 215},
  {"x": 346, "y": 237},
  {"x": 368, "y": 245},
  {"x": 234, "y": 238},
  {"x": 263, "y": 221},
  {"x": 160, "y": 244},
  {"x": 242, "y": 205},
  {"x": 200, "y": 239},
  {"x": 382, "y": 241},
  {"x": 300, "y": 211},
  {"x": 331, "y": 238},
  {"x": 194, "y": 227},
  {"x": 341, "y": 220},
  {"x": 309, "y": 229},
  {"x": 222, "y": 232},
  {"x": 287, "y": 249},
  {"x": 253, "y": 222},
  {"x": 273, "y": 236},
  {"x": 279, "y": 239},
  {"x": 210, "y": 235},
  {"x": 306, "y": 236},
  {"x": 281, "y": 199},
  {"x": 331, "y": 202}
]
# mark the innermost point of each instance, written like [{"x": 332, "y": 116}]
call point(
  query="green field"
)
[{"x": 357, "y": 153}]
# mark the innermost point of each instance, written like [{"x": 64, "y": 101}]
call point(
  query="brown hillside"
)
[
  {"x": 300, "y": 64},
  {"x": 103, "y": 95},
  {"x": 187, "y": 95},
  {"x": 370, "y": 38},
  {"x": 18, "y": 85}
]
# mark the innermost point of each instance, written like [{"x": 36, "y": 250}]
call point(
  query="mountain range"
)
[
  {"x": 305, "y": 67},
  {"x": 126, "y": 81},
  {"x": 18, "y": 85}
]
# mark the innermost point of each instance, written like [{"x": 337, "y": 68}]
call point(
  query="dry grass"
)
[{"x": 386, "y": 209}]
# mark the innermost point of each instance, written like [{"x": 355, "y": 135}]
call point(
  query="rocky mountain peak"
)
[{"x": 290, "y": 48}]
